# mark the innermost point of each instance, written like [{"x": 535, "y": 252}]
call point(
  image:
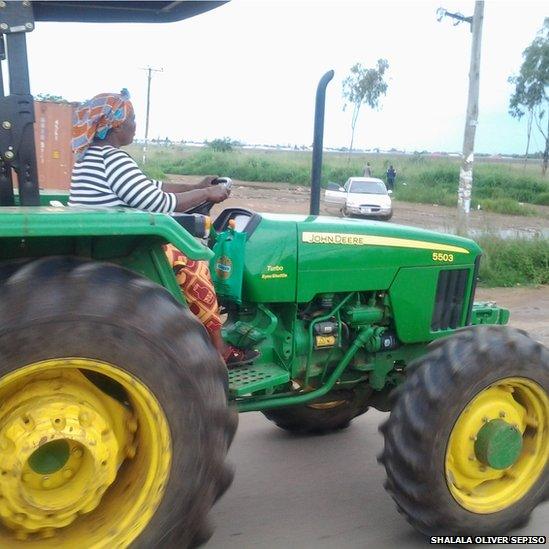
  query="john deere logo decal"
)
[
  {"x": 223, "y": 267},
  {"x": 373, "y": 240}
]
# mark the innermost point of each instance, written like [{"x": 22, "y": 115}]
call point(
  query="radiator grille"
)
[{"x": 449, "y": 299}]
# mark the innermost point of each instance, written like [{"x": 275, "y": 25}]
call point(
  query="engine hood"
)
[{"x": 295, "y": 257}]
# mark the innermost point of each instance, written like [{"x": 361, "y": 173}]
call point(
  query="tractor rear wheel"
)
[
  {"x": 114, "y": 423},
  {"x": 332, "y": 412},
  {"x": 467, "y": 442}
]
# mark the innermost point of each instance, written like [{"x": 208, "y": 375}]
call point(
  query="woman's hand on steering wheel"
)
[
  {"x": 217, "y": 193},
  {"x": 207, "y": 181}
]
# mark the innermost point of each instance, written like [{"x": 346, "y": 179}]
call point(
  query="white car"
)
[{"x": 363, "y": 196}]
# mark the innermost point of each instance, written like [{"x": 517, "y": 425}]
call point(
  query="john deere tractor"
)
[{"x": 116, "y": 412}]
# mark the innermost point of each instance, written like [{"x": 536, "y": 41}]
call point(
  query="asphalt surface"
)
[{"x": 316, "y": 492}]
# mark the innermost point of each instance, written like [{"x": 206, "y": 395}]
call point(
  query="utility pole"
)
[
  {"x": 466, "y": 170},
  {"x": 149, "y": 70}
]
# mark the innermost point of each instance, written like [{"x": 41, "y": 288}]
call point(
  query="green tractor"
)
[{"x": 116, "y": 413}]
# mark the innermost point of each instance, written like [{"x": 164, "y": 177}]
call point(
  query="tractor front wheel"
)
[
  {"x": 467, "y": 442},
  {"x": 114, "y": 423}
]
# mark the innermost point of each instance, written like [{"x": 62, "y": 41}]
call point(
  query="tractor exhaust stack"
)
[{"x": 316, "y": 170}]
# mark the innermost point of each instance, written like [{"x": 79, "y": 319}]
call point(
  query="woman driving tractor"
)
[{"x": 106, "y": 176}]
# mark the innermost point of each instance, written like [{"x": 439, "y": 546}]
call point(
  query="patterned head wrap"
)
[{"x": 94, "y": 118}]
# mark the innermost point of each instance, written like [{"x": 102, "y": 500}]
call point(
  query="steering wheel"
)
[{"x": 205, "y": 207}]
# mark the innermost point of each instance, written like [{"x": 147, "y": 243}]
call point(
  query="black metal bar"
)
[
  {"x": 6, "y": 185},
  {"x": 18, "y": 64},
  {"x": 25, "y": 155},
  {"x": 318, "y": 142},
  {"x": 6, "y": 182}
]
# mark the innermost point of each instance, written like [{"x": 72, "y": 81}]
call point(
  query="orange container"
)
[{"x": 52, "y": 133}]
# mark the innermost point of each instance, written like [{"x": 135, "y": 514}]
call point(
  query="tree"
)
[
  {"x": 531, "y": 87},
  {"x": 364, "y": 86},
  {"x": 224, "y": 144}
]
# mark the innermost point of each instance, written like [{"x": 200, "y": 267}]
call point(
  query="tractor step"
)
[{"x": 252, "y": 378}]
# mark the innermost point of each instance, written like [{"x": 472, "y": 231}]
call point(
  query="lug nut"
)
[
  {"x": 29, "y": 26},
  {"x": 502, "y": 414},
  {"x": 68, "y": 473},
  {"x": 131, "y": 451},
  {"x": 6, "y": 124},
  {"x": 3, "y": 26},
  {"x": 58, "y": 423},
  {"x": 77, "y": 452},
  {"x": 6, "y": 445},
  {"x": 84, "y": 419},
  {"x": 47, "y": 533},
  {"x": 2, "y": 4},
  {"x": 485, "y": 419},
  {"x": 46, "y": 482},
  {"x": 28, "y": 422},
  {"x": 8, "y": 155}
]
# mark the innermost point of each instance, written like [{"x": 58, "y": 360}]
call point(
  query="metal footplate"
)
[{"x": 249, "y": 379}]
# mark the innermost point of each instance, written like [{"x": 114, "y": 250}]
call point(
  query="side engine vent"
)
[{"x": 449, "y": 299}]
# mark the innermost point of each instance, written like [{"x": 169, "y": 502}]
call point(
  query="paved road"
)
[{"x": 316, "y": 492}]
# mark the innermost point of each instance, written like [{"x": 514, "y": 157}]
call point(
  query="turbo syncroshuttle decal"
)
[{"x": 370, "y": 240}]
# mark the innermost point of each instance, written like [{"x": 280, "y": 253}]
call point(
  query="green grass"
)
[
  {"x": 499, "y": 187},
  {"x": 507, "y": 206},
  {"x": 543, "y": 199},
  {"x": 511, "y": 262}
]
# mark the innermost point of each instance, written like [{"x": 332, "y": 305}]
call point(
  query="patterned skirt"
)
[{"x": 196, "y": 285}]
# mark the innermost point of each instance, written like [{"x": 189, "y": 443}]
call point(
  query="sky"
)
[{"x": 249, "y": 70}]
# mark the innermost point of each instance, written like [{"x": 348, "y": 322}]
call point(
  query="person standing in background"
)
[
  {"x": 391, "y": 175},
  {"x": 367, "y": 170}
]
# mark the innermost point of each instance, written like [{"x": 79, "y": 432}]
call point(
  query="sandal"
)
[{"x": 237, "y": 357}]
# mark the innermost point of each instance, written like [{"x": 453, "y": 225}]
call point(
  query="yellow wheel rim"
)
[
  {"x": 513, "y": 405},
  {"x": 80, "y": 465}
]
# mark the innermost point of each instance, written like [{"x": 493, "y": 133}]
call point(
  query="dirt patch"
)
[{"x": 529, "y": 306}]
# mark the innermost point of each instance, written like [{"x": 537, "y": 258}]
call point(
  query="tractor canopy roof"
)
[{"x": 108, "y": 11}]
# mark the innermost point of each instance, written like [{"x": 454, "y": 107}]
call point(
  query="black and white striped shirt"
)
[{"x": 109, "y": 177}]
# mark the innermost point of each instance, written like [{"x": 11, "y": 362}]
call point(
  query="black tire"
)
[
  {"x": 333, "y": 412},
  {"x": 426, "y": 407},
  {"x": 61, "y": 307}
]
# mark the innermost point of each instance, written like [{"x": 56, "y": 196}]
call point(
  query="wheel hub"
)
[
  {"x": 58, "y": 454},
  {"x": 498, "y": 444}
]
